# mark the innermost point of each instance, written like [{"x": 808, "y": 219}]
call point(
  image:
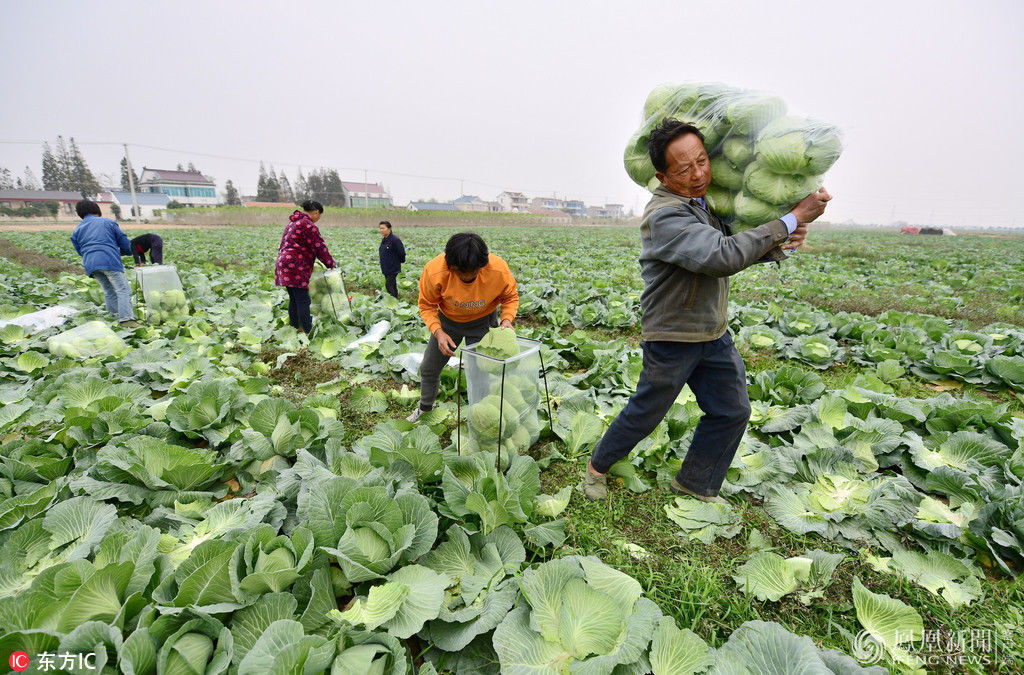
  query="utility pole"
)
[
  {"x": 462, "y": 187},
  {"x": 131, "y": 184}
]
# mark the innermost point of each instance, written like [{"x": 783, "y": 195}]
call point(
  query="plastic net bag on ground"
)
[
  {"x": 763, "y": 160},
  {"x": 503, "y": 389},
  {"x": 91, "y": 339},
  {"x": 162, "y": 292},
  {"x": 51, "y": 317}
]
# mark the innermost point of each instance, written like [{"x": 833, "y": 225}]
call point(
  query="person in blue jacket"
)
[
  {"x": 392, "y": 255},
  {"x": 101, "y": 243}
]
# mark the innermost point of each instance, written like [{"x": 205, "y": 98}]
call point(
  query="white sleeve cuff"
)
[{"x": 790, "y": 220}]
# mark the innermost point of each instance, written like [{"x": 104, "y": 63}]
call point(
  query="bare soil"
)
[{"x": 51, "y": 267}]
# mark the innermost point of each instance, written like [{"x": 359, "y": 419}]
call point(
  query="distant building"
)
[
  {"x": 432, "y": 206},
  {"x": 189, "y": 188},
  {"x": 575, "y": 207},
  {"x": 252, "y": 202},
  {"x": 553, "y": 215},
  {"x": 368, "y": 195},
  {"x": 18, "y": 199},
  {"x": 472, "y": 203},
  {"x": 149, "y": 203},
  {"x": 548, "y": 203},
  {"x": 513, "y": 202},
  {"x": 614, "y": 211},
  {"x": 607, "y": 211}
]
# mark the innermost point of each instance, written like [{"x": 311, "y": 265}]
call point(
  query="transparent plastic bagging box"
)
[
  {"x": 162, "y": 293},
  {"x": 504, "y": 398},
  {"x": 327, "y": 294}
]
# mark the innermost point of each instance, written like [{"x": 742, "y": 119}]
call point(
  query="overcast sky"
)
[{"x": 538, "y": 97}]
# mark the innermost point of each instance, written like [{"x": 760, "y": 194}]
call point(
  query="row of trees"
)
[
  {"x": 323, "y": 185},
  {"x": 66, "y": 169},
  {"x": 28, "y": 182}
]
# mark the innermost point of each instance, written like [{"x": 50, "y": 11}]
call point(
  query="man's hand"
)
[
  {"x": 445, "y": 342},
  {"x": 505, "y": 323},
  {"x": 812, "y": 206},
  {"x": 796, "y": 239}
]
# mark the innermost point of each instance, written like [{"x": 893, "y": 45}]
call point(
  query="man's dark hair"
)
[
  {"x": 465, "y": 251},
  {"x": 87, "y": 207},
  {"x": 384, "y": 222},
  {"x": 312, "y": 205},
  {"x": 663, "y": 134}
]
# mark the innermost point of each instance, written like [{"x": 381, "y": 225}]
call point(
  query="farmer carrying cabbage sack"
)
[
  {"x": 460, "y": 292},
  {"x": 686, "y": 258}
]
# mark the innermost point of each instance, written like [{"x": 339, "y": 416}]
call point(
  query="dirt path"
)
[
  {"x": 51, "y": 267},
  {"x": 68, "y": 227}
]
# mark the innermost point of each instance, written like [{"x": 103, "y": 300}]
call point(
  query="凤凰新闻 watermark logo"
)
[{"x": 977, "y": 647}]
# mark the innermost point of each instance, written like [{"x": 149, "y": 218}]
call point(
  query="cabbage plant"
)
[
  {"x": 576, "y": 613},
  {"x": 368, "y": 529}
]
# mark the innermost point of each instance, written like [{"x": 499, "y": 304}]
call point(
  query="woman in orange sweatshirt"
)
[{"x": 460, "y": 292}]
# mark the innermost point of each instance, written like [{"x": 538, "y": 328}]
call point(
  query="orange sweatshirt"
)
[{"x": 442, "y": 291}]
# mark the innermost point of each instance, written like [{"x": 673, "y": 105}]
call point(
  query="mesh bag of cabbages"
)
[
  {"x": 91, "y": 339},
  {"x": 503, "y": 373},
  {"x": 162, "y": 292},
  {"x": 327, "y": 294},
  {"x": 763, "y": 160}
]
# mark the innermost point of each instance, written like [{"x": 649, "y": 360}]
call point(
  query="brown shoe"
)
[{"x": 676, "y": 487}]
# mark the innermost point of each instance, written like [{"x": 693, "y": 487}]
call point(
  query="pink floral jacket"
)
[{"x": 300, "y": 245}]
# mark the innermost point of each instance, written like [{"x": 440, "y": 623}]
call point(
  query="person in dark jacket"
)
[
  {"x": 392, "y": 255},
  {"x": 301, "y": 244},
  {"x": 101, "y": 243},
  {"x": 686, "y": 258},
  {"x": 148, "y": 242}
]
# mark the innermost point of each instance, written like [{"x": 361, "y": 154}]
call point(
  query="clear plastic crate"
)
[
  {"x": 327, "y": 294},
  {"x": 504, "y": 398},
  {"x": 162, "y": 292},
  {"x": 94, "y": 338}
]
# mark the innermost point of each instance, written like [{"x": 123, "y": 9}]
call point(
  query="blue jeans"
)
[
  {"x": 116, "y": 293},
  {"x": 715, "y": 373}
]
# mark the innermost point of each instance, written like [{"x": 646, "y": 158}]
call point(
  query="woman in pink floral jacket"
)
[{"x": 300, "y": 245}]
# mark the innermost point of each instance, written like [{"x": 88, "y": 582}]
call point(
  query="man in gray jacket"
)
[{"x": 686, "y": 258}]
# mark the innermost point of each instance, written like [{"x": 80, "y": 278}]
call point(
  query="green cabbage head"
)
[{"x": 777, "y": 188}]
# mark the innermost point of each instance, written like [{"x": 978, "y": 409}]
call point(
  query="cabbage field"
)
[{"x": 219, "y": 494}]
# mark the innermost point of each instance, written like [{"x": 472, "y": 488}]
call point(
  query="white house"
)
[
  {"x": 514, "y": 202},
  {"x": 189, "y": 188},
  {"x": 367, "y": 195},
  {"x": 149, "y": 202},
  {"x": 548, "y": 203}
]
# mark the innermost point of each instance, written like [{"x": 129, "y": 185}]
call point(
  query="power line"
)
[{"x": 300, "y": 165}]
